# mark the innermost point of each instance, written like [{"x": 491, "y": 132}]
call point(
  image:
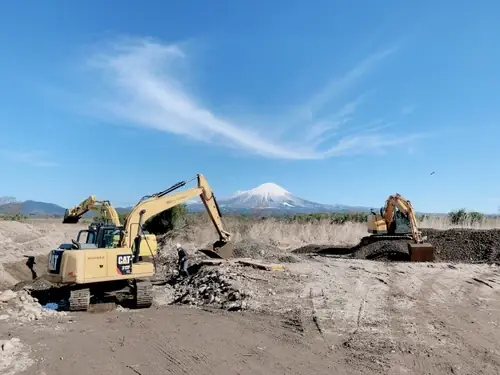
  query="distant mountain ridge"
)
[
  {"x": 268, "y": 198},
  {"x": 272, "y": 198},
  {"x": 31, "y": 207}
]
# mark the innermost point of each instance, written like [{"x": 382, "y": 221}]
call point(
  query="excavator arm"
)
[
  {"x": 155, "y": 204},
  {"x": 73, "y": 215},
  {"x": 404, "y": 206}
]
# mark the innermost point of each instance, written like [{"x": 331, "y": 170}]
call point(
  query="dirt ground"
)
[{"x": 321, "y": 315}]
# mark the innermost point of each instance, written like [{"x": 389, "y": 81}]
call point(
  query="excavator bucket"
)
[
  {"x": 70, "y": 219},
  {"x": 221, "y": 250},
  {"x": 421, "y": 252}
]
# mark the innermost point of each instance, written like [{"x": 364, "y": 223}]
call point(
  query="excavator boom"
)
[{"x": 157, "y": 203}]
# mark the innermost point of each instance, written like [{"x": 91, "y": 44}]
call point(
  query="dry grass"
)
[
  {"x": 289, "y": 235},
  {"x": 443, "y": 223}
]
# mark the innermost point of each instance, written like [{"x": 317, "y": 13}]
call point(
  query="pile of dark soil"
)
[
  {"x": 453, "y": 245},
  {"x": 465, "y": 245},
  {"x": 261, "y": 250}
]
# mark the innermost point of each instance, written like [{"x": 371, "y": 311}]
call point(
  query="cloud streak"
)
[
  {"x": 33, "y": 158},
  {"x": 141, "y": 87}
]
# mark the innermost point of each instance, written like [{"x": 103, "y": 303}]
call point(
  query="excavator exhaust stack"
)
[{"x": 421, "y": 252}]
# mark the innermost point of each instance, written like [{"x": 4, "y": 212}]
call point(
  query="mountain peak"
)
[{"x": 269, "y": 189}]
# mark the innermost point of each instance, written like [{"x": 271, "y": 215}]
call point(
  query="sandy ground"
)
[
  {"x": 354, "y": 317},
  {"x": 322, "y": 315}
]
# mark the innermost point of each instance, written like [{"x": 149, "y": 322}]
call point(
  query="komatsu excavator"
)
[
  {"x": 398, "y": 221},
  {"x": 119, "y": 259}
]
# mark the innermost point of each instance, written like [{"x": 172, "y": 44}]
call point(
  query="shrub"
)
[
  {"x": 167, "y": 220},
  {"x": 461, "y": 217},
  {"x": 13, "y": 217},
  {"x": 476, "y": 217},
  {"x": 458, "y": 217}
]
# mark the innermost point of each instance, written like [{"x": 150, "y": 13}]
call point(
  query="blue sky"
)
[{"x": 336, "y": 101}]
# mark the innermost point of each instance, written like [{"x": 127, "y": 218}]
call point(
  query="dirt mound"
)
[
  {"x": 465, "y": 245},
  {"x": 22, "y": 307},
  {"x": 452, "y": 245},
  {"x": 392, "y": 250},
  {"x": 32, "y": 238}
]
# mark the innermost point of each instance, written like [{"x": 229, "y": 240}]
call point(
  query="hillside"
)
[{"x": 31, "y": 207}]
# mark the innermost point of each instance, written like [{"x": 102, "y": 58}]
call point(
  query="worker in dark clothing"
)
[{"x": 183, "y": 260}]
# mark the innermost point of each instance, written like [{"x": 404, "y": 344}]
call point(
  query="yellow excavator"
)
[
  {"x": 97, "y": 232},
  {"x": 73, "y": 215},
  {"x": 118, "y": 260},
  {"x": 397, "y": 220}
]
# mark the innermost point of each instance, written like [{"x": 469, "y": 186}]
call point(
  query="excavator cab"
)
[{"x": 101, "y": 235}]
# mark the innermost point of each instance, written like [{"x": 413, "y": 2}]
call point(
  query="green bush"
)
[
  {"x": 460, "y": 217},
  {"x": 13, "y": 217},
  {"x": 167, "y": 220},
  {"x": 476, "y": 217},
  {"x": 161, "y": 223},
  {"x": 333, "y": 217}
]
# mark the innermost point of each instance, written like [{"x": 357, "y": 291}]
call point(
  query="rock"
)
[
  {"x": 215, "y": 287},
  {"x": 7, "y": 346},
  {"x": 7, "y": 295},
  {"x": 25, "y": 308}
]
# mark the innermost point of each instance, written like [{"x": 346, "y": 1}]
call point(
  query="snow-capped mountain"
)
[
  {"x": 267, "y": 196},
  {"x": 270, "y": 197}
]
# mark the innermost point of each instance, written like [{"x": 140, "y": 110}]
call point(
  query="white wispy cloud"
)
[
  {"x": 143, "y": 87},
  {"x": 33, "y": 158},
  {"x": 338, "y": 86}
]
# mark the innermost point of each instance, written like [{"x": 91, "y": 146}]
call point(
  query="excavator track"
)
[
  {"x": 143, "y": 294},
  {"x": 79, "y": 300}
]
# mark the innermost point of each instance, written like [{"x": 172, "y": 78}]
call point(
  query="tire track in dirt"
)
[
  {"x": 350, "y": 314},
  {"x": 439, "y": 343},
  {"x": 406, "y": 287},
  {"x": 471, "y": 345},
  {"x": 176, "y": 341}
]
